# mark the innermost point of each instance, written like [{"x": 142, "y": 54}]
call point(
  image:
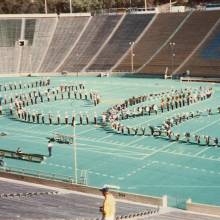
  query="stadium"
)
[{"x": 126, "y": 98}]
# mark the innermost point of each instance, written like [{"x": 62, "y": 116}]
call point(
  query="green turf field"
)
[{"x": 138, "y": 164}]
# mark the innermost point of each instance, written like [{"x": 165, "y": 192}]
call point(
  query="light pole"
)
[
  {"x": 172, "y": 47},
  {"x": 75, "y": 152},
  {"x": 170, "y": 5},
  {"x": 132, "y": 55},
  {"x": 71, "y": 7},
  {"x": 45, "y": 6},
  {"x": 30, "y": 62}
]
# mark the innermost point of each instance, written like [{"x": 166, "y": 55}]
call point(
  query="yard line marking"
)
[
  {"x": 202, "y": 151},
  {"x": 115, "y": 154},
  {"x": 83, "y": 132},
  {"x": 97, "y": 141},
  {"x": 105, "y": 137},
  {"x": 186, "y": 167},
  {"x": 26, "y": 131},
  {"x": 192, "y": 156},
  {"x": 159, "y": 150},
  {"x": 56, "y": 129},
  {"x": 132, "y": 142}
]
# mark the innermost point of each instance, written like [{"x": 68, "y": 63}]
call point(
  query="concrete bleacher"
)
[
  {"x": 154, "y": 38},
  {"x": 66, "y": 33},
  {"x": 182, "y": 215},
  {"x": 26, "y": 50},
  {"x": 10, "y": 31},
  {"x": 34, "y": 201},
  {"x": 99, "y": 28},
  {"x": 85, "y": 44},
  {"x": 129, "y": 30},
  {"x": 43, "y": 32},
  {"x": 205, "y": 62},
  {"x": 29, "y": 30},
  {"x": 186, "y": 40}
]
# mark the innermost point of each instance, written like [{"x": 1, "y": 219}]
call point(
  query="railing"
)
[
  {"x": 116, "y": 11},
  {"x": 37, "y": 173}
]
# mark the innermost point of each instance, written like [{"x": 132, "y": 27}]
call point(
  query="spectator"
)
[{"x": 108, "y": 208}]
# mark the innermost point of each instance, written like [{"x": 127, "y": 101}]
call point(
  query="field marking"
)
[
  {"x": 203, "y": 150},
  {"x": 113, "y": 143},
  {"x": 25, "y": 131},
  {"x": 69, "y": 167},
  {"x": 84, "y": 132},
  {"x": 119, "y": 153},
  {"x": 186, "y": 167},
  {"x": 132, "y": 142},
  {"x": 101, "y": 139},
  {"x": 192, "y": 156}
]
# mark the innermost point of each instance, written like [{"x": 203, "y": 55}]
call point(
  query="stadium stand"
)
[
  {"x": 129, "y": 30},
  {"x": 66, "y": 33},
  {"x": 186, "y": 39},
  {"x": 34, "y": 201},
  {"x": 10, "y": 30},
  {"x": 182, "y": 215},
  {"x": 205, "y": 61},
  {"x": 43, "y": 32},
  {"x": 92, "y": 39},
  {"x": 29, "y": 29},
  {"x": 41, "y": 202},
  {"x": 153, "y": 39},
  {"x": 52, "y": 44}
]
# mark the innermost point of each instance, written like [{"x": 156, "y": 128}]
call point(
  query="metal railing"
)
[{"x": 38, "y": 174}]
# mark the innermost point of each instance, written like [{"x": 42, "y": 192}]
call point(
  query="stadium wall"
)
[
  {"x": 8, "y": 16},
  {"x": 202, "y": 208}
]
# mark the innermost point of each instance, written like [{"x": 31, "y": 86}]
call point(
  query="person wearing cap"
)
[{"x": 108, "y": 208}]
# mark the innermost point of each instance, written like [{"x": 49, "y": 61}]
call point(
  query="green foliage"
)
[{"x": 62, "y": 6}]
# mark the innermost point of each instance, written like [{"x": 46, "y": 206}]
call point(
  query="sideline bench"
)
[{"x": 38, "y": 158}]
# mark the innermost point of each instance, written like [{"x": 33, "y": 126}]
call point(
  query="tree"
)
[{"x": 37, "y": 6}]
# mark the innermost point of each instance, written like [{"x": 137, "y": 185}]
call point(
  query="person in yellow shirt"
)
[{"x": 108, "y": 208}]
